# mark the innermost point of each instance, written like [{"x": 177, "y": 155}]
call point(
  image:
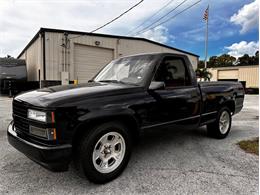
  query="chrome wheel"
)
[
  {"x": 109, "y": 152},
  {"x": 224, "y": 122}
]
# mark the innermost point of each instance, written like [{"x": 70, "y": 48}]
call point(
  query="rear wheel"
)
[
  {"x": 104, "y": 152},
  {"x": 221, "y": 127}
]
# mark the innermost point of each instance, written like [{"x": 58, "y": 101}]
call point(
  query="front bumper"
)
[{"x": 54, "y": 158}]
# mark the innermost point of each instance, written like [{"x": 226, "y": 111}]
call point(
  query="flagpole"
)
[{"x": 206, "y": 39}]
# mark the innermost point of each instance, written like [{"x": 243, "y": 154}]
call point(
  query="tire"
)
[
  {"x": 221, "y": 127},
  {"x": 104, "y": 152}
]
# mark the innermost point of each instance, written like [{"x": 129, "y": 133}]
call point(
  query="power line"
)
[
  {"x": 112, "y": 19},
  {"x": 117, "y": 17},
  {"x": 150, "y": 17},
  {"x": 147, "y": 27},
  {"x": 167, "y": 20}
]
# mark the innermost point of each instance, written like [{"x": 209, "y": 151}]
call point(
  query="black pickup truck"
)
[{"x": 96, "y": 123}]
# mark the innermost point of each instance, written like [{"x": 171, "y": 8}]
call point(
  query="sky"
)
[{"x": 233, "y": 24}]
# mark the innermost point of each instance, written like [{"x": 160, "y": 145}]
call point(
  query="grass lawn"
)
[{"x": 250, "y": 146}]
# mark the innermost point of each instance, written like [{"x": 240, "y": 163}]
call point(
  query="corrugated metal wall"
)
[
  {"x": 130, "y": 47},
  {"x": 89, "y": 60},
  {"x": 55, "y": 53},
  {"x": 249, "y": 74},
  {"x": 33, "y": 57}
]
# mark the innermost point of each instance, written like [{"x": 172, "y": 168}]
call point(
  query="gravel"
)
[{"x": 165, "y": 161}]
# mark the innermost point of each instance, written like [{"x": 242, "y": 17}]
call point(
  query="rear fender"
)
[{"x": 228, "y": 103}]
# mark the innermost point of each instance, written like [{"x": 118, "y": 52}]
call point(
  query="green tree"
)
[
  {"x": 255, "y": 59},
  {"x": 201, "y": 64},
  {"x": 221, "y": 61},
  {"x": 244, "y": 60},
  {"x": 225, "y": 60},
  {"x": 247, "y": 60},
  {"x": 203, "y": 74},
  {"x": 213, "y": 61}
]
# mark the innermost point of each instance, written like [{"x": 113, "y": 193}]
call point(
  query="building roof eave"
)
[{"x": 42, "y": 30}]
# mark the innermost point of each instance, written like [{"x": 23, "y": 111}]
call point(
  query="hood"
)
[{"x": 64, "y": 94}]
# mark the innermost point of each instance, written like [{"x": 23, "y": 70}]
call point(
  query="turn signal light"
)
[{"x": 48, "y": 133}]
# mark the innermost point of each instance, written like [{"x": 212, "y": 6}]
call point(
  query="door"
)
[
  {"x": 228, "y": 74},
  {"x": 179, "y": 101},
  {"x": 90, "y": 60}
]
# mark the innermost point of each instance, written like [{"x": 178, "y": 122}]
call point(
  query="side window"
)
[{"x": 173, "y": 72}]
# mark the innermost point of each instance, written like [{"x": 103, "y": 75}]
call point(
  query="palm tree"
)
[{"x": 203, "y": 73}]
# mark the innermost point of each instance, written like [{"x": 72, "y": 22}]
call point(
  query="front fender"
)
[
  {"x": 88, "y": 120},
  {"x": 106, "y": 113}
]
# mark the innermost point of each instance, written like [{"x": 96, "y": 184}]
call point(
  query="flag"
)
[{"x": 206, "y": 14}]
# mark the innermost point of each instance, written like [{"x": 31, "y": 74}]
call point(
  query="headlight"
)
[{"x": 37, "y": 115}]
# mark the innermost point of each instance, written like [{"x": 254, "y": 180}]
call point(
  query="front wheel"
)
[
  {"x": 105, "y": 152},
  {"x": 221, "y": 127}
]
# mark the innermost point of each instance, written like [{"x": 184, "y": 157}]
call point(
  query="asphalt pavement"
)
[{"x": 165, "y": 161}]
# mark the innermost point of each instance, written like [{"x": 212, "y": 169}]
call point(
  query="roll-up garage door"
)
[
  {"x": 89, "y": 60},
  {"x": 228, "y": 74}
]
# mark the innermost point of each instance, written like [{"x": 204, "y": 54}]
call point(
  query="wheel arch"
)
[
  {"x": 230, "y": 104},
  {"x": 129, "y": 121}
]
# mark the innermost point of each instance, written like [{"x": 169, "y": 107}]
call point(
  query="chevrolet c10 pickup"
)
[{"x": 95, "y": 124}]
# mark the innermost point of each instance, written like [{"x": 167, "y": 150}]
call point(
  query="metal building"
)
[
  {"x": 60, "y": 56},
  {"x": 248, "y": 75}
]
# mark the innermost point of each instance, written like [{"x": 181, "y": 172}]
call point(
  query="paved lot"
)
[{"x": 164, "y": 162}]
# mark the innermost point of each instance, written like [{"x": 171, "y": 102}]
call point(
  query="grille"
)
[
  {"x": 20, "y": 115},
  {"x": 19, "y": 109},
  {"x": 21, "y": 124}
]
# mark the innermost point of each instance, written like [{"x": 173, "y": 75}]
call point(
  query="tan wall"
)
[
  {"x": 33, "y": 60},
  {"x": 55, "y": 52},
  {"x": 130, "y": 47},
  {"x": 121, "y": 47},
  {"x": 250, "y": 74}
]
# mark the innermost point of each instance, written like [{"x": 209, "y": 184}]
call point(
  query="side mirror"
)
[{"x": 157, "y": 85}]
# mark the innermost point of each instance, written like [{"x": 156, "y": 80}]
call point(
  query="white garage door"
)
[
  {"x": 228, "y": 74},
  {"x": 89, "y": 60}
]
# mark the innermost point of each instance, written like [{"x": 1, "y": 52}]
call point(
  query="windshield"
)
[{"x": 130, "y": 70}]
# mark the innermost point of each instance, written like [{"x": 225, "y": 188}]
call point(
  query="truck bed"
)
[
  {"x": 219, "y": 83},
  {"x": 213, "y": 93}
]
